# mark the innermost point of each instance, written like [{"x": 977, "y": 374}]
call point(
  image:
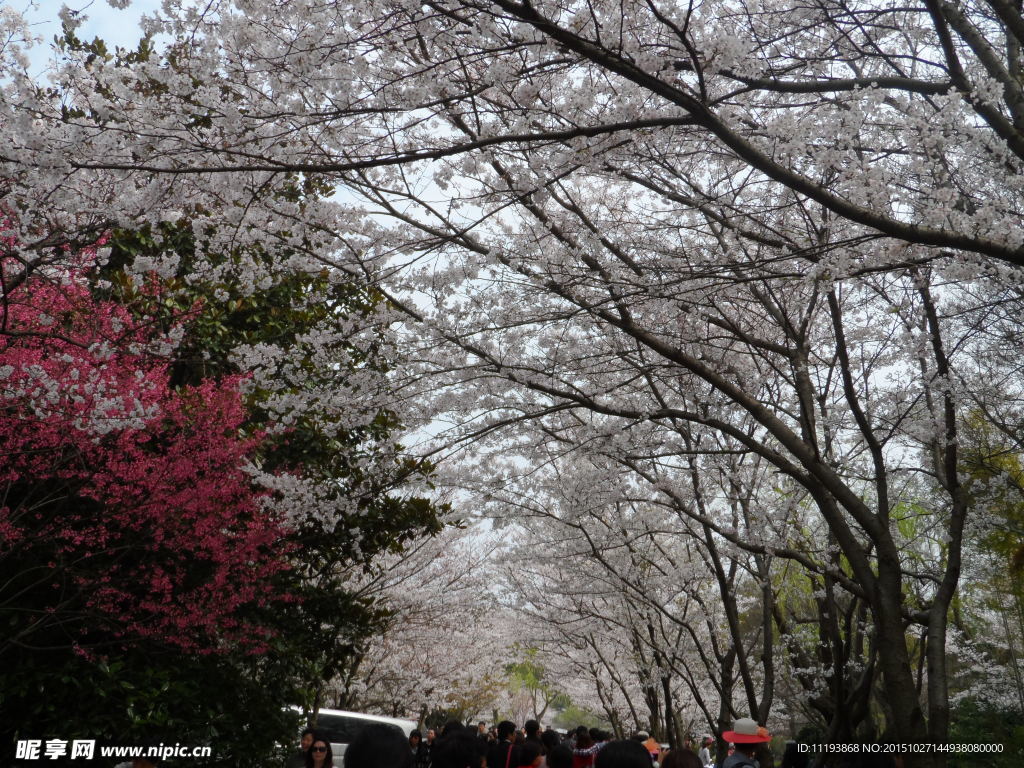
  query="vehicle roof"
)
[{"x": 365, "y": 716}]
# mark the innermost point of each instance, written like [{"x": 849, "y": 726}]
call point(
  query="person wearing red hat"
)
[{"x": 746, "y": 734}]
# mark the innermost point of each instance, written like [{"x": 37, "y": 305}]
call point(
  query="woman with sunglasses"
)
[{"x": 319, "y": 754}]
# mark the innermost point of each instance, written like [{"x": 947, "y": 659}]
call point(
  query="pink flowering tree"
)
[{"x": 127, "y": 509}]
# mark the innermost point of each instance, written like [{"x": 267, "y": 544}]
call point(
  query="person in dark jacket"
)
[
  {"x": 550, "y": 739},
  {"x": 298, "y": 758},
  {"x": 420, "y": 752},
  {"x": 504, "y": 753},
  {"x": 626, "y": 753},
  {"x": 378, "y": 746},
  {"x": 532, "y": 728},
  {"x": 459, "y": 749},
  {"x": 559, "y": 757}
]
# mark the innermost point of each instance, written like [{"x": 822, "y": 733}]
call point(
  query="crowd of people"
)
[{"x": 506, "y": 746}]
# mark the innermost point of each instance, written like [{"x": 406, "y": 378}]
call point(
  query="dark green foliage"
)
[
  {"x": 974, "y": 722},
  {"x": 150, "y": 696}
]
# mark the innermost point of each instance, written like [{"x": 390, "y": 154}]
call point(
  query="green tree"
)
[{"x": 529, "y": 675}]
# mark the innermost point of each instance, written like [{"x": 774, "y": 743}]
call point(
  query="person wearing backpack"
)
[{"x": 746, "y": 734}]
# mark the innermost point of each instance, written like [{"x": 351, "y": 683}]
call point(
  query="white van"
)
[{"x": 341, "y": 727}]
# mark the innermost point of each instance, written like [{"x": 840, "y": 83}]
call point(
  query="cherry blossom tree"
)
[
  {"x": 611, "y": 630},
  {"x": 670, "y": 230},
  {"x": 638, "y": 403},
  {"x": 903, "y": 86},
  {"x": 436, "y": 589},
  {"x": 697, "y": 615}
]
